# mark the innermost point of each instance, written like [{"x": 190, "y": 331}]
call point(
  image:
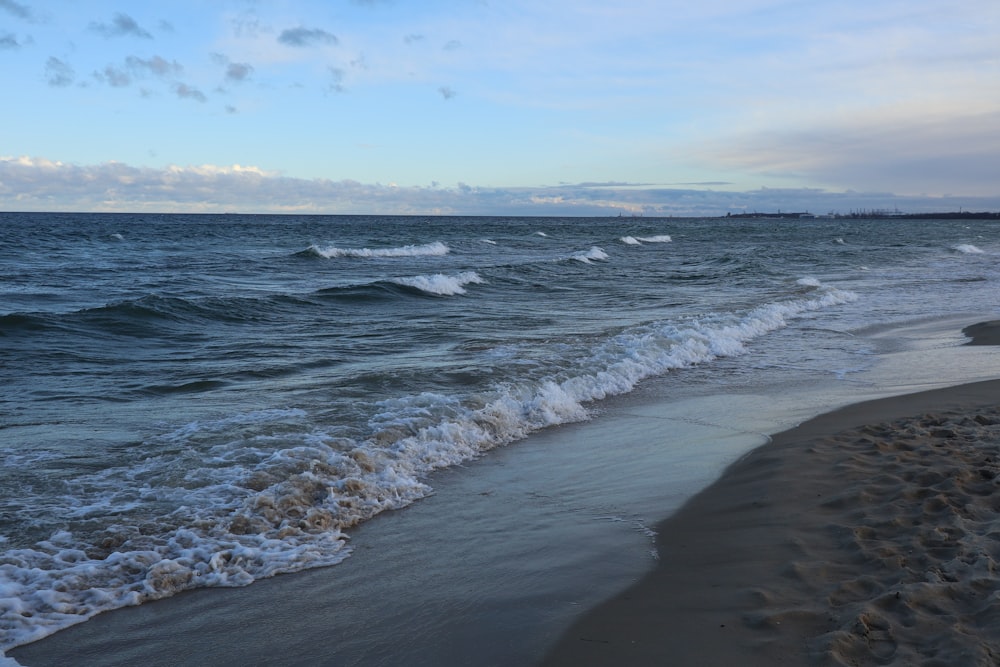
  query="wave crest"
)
[
  {"x": 436, "y": 248},
  {"x": 968, "y": 249},
  {"x": 594, "y": 253},
  {"x": 440, "y": 284}
]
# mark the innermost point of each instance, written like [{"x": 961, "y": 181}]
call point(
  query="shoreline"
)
[
  {"x": 393, "y": 584},
  {"x": 863, "y": 536}
]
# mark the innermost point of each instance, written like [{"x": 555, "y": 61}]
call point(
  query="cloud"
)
[
  {"x": 156, "y": 65},
  {"x": 9, "y": 41},
  {"x": 58, "y": 73},
  {"x": 120, "y": 77},
  {"x": 446, "y": 92},
  {"x": 413, "y": 38},
  {"x": 238, "y": 72},
  {"x": 926, "y": 152},
  {"x": 607, "y": 184},
  {"x": 453, "y": 45},
  {"x": 302, "y": 37},
  {"x": 31, "y": 183},
  {"x": 114, "y": 76},
  {"x": 336, "y": 79},
  {"x": 122, "y": 25},
  {"x": 17, "y": 9},
  {"x": 186, "y": 92},
  {"x": 705, "y": 184}
]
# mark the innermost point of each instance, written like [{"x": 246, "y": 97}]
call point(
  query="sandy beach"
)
[{"x": 866, "y": 536}]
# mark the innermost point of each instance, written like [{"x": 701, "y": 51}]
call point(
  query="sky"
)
[{"x": 483, "y": 107}]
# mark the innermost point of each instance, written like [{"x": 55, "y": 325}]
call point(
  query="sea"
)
[{"x": 192, "y": 401}]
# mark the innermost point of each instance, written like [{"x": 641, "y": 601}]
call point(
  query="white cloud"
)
[{"x": 31, "y": 183}]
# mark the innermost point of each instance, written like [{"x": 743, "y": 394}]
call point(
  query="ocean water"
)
[{"x": 198, "y": 401}]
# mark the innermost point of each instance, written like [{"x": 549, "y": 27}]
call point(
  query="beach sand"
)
[{"x": 867, "y": 536}]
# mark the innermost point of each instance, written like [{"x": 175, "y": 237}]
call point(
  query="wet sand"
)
[{"x": 867, "y": 536}]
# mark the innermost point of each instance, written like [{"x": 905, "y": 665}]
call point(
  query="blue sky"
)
[{"x": 489, "y": 107}]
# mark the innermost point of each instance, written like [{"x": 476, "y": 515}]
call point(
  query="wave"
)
[
  {"x": 594, "y": 253},
  {"x": 441, "y": 284},
  {"x": 279, "y": 497},
  {"x": 639, "y": 240},
  {"x": 151, "y": 315},
  {"x": 968, "y": 249},
  {"x": 436, "y": 248}
]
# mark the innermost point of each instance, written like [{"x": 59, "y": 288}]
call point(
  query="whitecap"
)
[
  {"x": 639, "y": 240},
  {"x": 968, "y": 249},
  {"x": 441, "y": 284},
  {"x": 594, "y": 253},
  {"x": 428, "y": 249}
]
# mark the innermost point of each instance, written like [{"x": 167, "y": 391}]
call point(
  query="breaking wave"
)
[
  {"x": 440, "y": 284},
  {"x": 639, "y": 240},
  {"x": 436, "y": 248},
  {"x": 229, "y": 501}
]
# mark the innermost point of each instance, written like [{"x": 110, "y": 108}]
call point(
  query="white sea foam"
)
[
  {"x": 253, "y": 495},
  {"x": 441, "y": 284},
  {"x": 968, "y": 249},
  {"x": 542, "y": 234},
  {"x": 489, "y": 241},
  {"x": 427, "y": 249},
  {"x": 633, "y": 240},
  {"x": 594, "y": 253}
]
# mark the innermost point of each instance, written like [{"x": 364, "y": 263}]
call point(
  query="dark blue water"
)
[{"x": 206, "y": 400}]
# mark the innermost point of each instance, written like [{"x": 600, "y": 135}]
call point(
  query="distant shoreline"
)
[{"x": 870, "y": 215}]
